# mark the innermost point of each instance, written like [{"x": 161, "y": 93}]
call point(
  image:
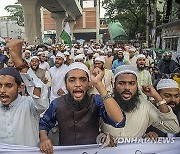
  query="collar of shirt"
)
[{"x": 13, "y": 103}]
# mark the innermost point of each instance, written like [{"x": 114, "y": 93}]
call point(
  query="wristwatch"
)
[
  {"x": 108, "y": 95},
  {"x": 161, "y": 102}
]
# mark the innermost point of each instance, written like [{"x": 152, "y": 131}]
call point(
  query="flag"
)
[
  {"x": 116, "y": 30},
  {"x": 66, "y": 35},
  {"x": 2, "y": 41}
]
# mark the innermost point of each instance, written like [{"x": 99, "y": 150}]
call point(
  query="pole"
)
[
  {"x": 147, "y": 22},
  {"x": 154, "y": 24}
]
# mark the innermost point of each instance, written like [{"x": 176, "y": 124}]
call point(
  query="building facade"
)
[{"x": 10, "y": 29}]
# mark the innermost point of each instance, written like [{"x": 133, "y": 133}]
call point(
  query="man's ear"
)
[{"x": 21, "y": 87}]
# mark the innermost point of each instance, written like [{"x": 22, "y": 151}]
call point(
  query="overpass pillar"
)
[
  {"x": 59, "y": 19},
  {"x": 71, "y": 25},
  {"x": 32, "y": 21}
]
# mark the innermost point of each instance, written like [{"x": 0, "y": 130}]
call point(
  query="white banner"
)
[{"x": 132, "y": 148}]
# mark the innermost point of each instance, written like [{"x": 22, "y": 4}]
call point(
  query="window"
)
[{"x": 171, "y": 43}]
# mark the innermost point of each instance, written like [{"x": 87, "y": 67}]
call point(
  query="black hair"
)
[{"x": 17, "y": 81}]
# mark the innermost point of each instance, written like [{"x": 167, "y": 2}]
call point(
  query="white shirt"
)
[
  {"x": 138, "y": 120},
  {"x": 44, "y": 66},
  {"x": 20, "y": 124},
  {"x": 57, "y": 80}
]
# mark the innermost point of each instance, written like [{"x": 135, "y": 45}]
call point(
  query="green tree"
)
[
  {"x": 130, "y": 13},
  {"x": 16, "y": 13}
]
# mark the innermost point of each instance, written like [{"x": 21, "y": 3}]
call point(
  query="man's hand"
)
[
  {"x": 152, "y": 136},
  {"x": 46, "y": 146},
  {"x": 45, "y": 80},
  {"x": 149, "y": 91},
  {"x": 60, "y": 92},
  {"x": 15, "y": 50},
  {"x": 96, "y": 76}
]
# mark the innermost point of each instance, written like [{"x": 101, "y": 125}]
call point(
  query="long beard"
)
[
  {"x": 78, "y": 105},
  {"x": 129, "y": 105}
]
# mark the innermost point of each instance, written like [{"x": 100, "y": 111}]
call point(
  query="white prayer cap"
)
[
  {"x": 66, "y": 53},
  {"x": 80, "y": 56},
  {"x": 166, "y": 83},
  {"x": 60, "y": 54},
  {"x": 125, "y": 69},
  {"x": 85, "y": 46},
  {"x": 39, "y": 53},
  {"x": 132, "y": 49},
  {"x": 140, "y": 56},
  {"x": 120, "y": 50},
  {"x": 98, "y": 50},
  {"x": 46, "y": 53},
  {"x": 40, "y": 49},
  {"x": 34, "y": 57},
  {"x": 89, "y": 51},
  {"x": 109, "y": 50},
  {"x": 27, "y": 51},
  {"x": 100, "y": 58},
  {"x": 78, "y": 65},
  {"x": 96, "y": 55}
]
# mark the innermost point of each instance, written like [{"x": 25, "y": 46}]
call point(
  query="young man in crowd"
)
[
  {"x": 57, "y": 72},
  {"x": 20, "y": 114},
  {"x": 42, "y": 74},
  {"x": 77, "y": 112},
  {"x": 168, "y": 90},
  {"x": 108, "y": 79}
]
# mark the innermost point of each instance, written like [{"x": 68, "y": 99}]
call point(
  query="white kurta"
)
[
  {"x": 44, "y": 66},
  {"x": 57, "y": 80},
  {"x": 20, "y": 124},
  {"x": 140, "y": 119}
]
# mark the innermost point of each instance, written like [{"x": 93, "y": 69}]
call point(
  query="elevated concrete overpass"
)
[{"x": 61, "y": 10}]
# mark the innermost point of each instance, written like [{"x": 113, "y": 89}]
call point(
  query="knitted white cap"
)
[
  {"x": 78, "y": 65},
  {"x": 166, "y": 83},
  {"x": 60, "y": 54},
  {"x": 100, "y": 58},
  {"x": 141, "y": 56},
  {"x": 125, "y": 69}
]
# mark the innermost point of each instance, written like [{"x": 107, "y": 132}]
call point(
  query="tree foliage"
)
[
  {"x": 130, "y": 13},
  {"x": 16, "y": 13}
]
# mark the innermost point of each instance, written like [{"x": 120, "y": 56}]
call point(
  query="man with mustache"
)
[
  {"x": 42, "y": 74},
  {"x": 168, "y": 90},
  {"x": 140, "y": 113},
  {"x": 119, "y": 61},
  {"x": 143, "y": 75},
  {"x": 108, "y": 79},
  {"x": 77, "y": 112},
  {"x": 19, "y": 115}
]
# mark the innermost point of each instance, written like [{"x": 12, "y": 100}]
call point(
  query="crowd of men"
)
[{"x": 85, "y": 90}]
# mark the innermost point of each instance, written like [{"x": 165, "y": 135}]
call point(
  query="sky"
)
[{"x": 3, "y": 4}]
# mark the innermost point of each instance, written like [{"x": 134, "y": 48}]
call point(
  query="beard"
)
[
  {"x": 78, "y": 105},
  {"x": 176, "y": 108},
  {"x": 120, "y": 58},
  {"x": 126, "y": 105},
  {"x": 141, "y": 68}
]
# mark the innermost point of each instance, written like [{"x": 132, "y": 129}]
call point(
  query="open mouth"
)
[
  {"x": 126, "y": 95},
  {"x": 78, "y": 93},
  {"x": 4, "y": 98},
  {"x": 172, "y": 105}
]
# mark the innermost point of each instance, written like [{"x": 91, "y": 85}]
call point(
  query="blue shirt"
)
[
  {"x": 117, "y": 63},
  {"x": 48, "y": 121}
]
